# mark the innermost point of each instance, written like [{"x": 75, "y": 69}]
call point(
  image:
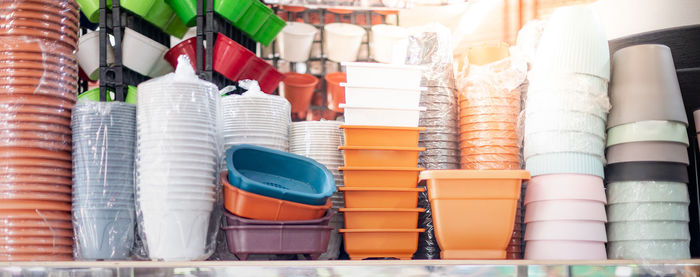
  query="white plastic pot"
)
[
  {"x": 141, "y": 53},
  {"x": 296, "y": 40},
  {"x": 382, "y": 116},
  {"x": 89, "y": 54},
  {"x": 176, "y": 235},
  {"x": 378, "y": 96},
  {"x": 383, "y": 75},
  {"x": 343, "y": 41},
  {"x": 389, "y": 43}
]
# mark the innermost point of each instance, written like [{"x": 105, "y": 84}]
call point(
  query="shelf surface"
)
[{"x": 355, "y": 268}]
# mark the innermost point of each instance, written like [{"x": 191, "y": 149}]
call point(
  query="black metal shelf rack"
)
[
  {"x": 209, "y": 23},
  {"x": 116, "y": 76}
]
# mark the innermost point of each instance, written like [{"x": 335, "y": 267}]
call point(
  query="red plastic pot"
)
[
  {"x": 187, "y": 47},
  {"x": 270, "y": 81},
  {"x": 298, "y": 89},
  {"x": 335, "y": 94},
  {"x": 230, "y": 58}
]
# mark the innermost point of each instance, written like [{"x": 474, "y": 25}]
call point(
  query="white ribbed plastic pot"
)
[
  {"x": 89, "y": 54},
  {"x": 141, "y": 53},
  {"x": 389, "y": 43},
  {"x": 296, "y": 40},
  {"x": 343, "y": 41}
]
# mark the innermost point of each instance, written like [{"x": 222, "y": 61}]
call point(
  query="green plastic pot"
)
[
  {"x": 269, "y": 30},
  {"x": 94, "y": 95},
  {"x": 232, "y": 10},
  {"x": 253, "y": 18},
  {"x": 91, "y": 9},
  {"x": 131, "y": 95},
  {"x": 160, "y": 14},
  {"x": 176, "y": 27},
  {"x": 185, "y": 9},
  {"x": 139, "y": 7}
]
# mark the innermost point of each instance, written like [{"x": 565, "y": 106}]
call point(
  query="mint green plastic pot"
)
[
  {"x": 185, "y": 9},
  {"x": 94, "y": 95},
  {"x": 139, "y": 7},
  {"x": 269, "y": 30},
  {"x": 91, "y": 9},
  {"x": 160, "y": 14},
  {"x": 253, "y": 19},
  {"x": 232, "y": 10},
  {"x": 176, "y": 27}
]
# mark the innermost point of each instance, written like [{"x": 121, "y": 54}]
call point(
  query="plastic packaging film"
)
[
  {"x": 430, "y": 46},
  {"x": 38, "y": 78},
  {"x": 320, "y": 140},
  {"x": 256, "y": 118},
  {"x": 104, "y": 218},
  {"x": 177, "y": 154},
  {"x": 490, "y": 105},
  {"x": 563, "y": 141},
  {"x": 529, "y": 38},
  {"x": 570, "y": 121},
  {"x": 647, "y": 191}
]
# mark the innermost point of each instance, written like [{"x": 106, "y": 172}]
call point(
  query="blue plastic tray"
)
[{"x": 278, "y": 174}]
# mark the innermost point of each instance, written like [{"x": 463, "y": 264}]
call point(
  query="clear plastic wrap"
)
[
  {"x": 649, "y": 250},
  {"x": 104, "y": 218},
  {"x": 529, "y": 38},
  {"x": 490, "y": 105},
  {"x": 563, "y": 141},
  {"x": 178, "y": 196},
  {"x": 256, "y": 118},
  {"x": 647, "y": 191},
  {"x": 430, "y": 46}
]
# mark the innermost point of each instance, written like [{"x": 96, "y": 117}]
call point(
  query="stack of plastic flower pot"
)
[
  {"x": 381, "y": 156},
  {"x": 256, "y": 118},
  {"x": 431, "y": 47},
  {"x": 176, "y": 164},
  {"x": 564, "y": 134},
  {"x": 489, "y": 106},
  {"x": 647, "y": 158},
  {"x": 38, "y": 78},
  {"x": 319, "y": 140},
  {"x": 276, "y": 203},
  {"x": 104, "y": 138}
]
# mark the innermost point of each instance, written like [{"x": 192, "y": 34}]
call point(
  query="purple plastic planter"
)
[{"x": 246, "y": 236}]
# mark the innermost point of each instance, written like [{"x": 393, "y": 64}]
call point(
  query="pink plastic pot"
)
[
  {"x": 565, "y": 210},
  {"x": 566, "y": 230},
  {"x": 187, "y": 47},
  {"x": 565, "y": 250},
  {"x": 565, "y": 186}
]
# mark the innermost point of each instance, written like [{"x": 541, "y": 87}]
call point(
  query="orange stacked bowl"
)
[
  {"x": 489, "y": 106},
  {"x": 38, "y": 79}
]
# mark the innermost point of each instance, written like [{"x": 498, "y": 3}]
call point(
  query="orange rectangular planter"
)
[
  {"x": 380, "y": 197},
  {"x": 474, "y": 210},
  {"x": 381, "y": 156},
  {"x": 255, "y": 206},
  {"x": 388, "y": 177},
  {"x": 381, "y": 218},
  {"x": 361, "y": 244},
  {"x": 361, "y": 135}
]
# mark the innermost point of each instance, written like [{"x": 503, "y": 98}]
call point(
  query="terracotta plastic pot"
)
[
  {"x": 255, "y": 206},
  {"x": 188, "y": 48},
  {"x": 335, "y": 94},
  {"x": 36, "y": 232},
  {"x": 459, "y": 197},
  {"x": 381, "y": 243},
  {"x": 36, "y": 100},
  {"x": 48, "y": 145},
  {"x": 36, "y": 109},
  {"x": 379, "y": 197},
  {"x": 34, "y": 117},
  {"x": 36, "y": 223},
  {"x": 19, "y": 152},
  {"x": 39, "y": 179},
  {"x": 43, "y": 90},
  {"x": 38, "y": 83},
  {"x": 35, "y": 257},
  {"x": 298, "y": 89},
  {"x": 39, "y": 241},
  {"x": 35, "y": 249},
  {"x": 33, "y": 195},
  {"x": 388, "y": 177},
  {"x": 488, "y": 134},
  {"x": 68, "y": 41},
  {"x": 381, "y": 218},
  {"x": 381, "y": 156},
  {"x": 358, "y": 135},
  {"x": 34, "y": 204},
  {"x": 35, "y": 187}
]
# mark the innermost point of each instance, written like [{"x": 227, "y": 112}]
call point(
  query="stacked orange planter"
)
[
  {"x": 474, "y": 211},
  {"x": 381, "y": 194}
]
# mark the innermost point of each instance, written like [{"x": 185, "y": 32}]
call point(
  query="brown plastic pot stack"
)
[{"x": 38, "y": 79}]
